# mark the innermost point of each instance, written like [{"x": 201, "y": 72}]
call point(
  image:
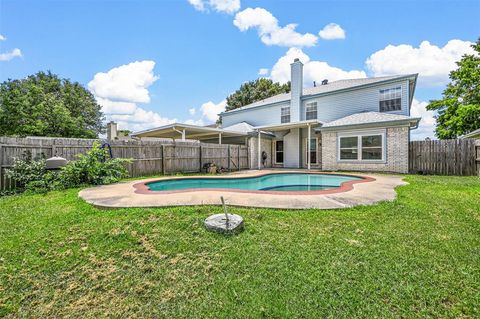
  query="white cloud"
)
[
  {"x": 225, "y": 6},
  {"x": 128, "y": 82},
  {"x": 433, "y": 63},
  {"x": 269, "y": 30},
  {"x": 198, "y": 122},
  {"x": 139, "y": 120},
  {"x": 192, "y": 111},
  {"x": 211, "y": 110},
  {"x": 120, "y": 89},
  {"x": 197, "y": 4},
  {"x": 312, "y": 70},
  {"x": 263, "y": 71},
  {"x": 7, "y": 56},
  {"x": 2, "y": 37},
  {"x": 332, "y": 31},
  {"x": 116, "y": 107},
  {"x": 426, "y": 127}
]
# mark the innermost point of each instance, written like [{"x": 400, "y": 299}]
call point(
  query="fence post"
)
[{"x": 238, "y": 163}]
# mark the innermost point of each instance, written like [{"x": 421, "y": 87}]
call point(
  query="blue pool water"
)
[{"x": 272, "y": 182}]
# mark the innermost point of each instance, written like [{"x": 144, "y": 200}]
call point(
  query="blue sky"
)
[{"x": 192, "y": 54}]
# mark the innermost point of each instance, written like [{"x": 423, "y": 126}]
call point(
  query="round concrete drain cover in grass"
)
[{"x": 218, "y": 223}]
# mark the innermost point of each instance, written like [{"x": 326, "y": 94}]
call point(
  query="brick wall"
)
[
  {"x": 396, "y": 154},
  {"x": 266, "y": 145}
]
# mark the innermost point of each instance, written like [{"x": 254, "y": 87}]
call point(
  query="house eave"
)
[{"x": 412, "y": 123}]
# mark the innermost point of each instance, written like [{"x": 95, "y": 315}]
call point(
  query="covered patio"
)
[
  {"x": 183, "y": 132},
  {"x": 269, "y": 129}
]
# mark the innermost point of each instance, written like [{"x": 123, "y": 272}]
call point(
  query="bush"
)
[
  {"x": 94, "y": 168},
  {"x": 26, "y": 170}
]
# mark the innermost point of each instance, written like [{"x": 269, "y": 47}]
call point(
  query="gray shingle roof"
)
[
  {"x": 322, "y": 89},
  {"x": 367, "y": 118},
  {"x": 240, "y": 127}
]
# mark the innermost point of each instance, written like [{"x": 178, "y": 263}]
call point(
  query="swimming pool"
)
[{"x": 275, "y": 182}]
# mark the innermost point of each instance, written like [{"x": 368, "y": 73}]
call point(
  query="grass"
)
[{"x": 418, "y": 256}]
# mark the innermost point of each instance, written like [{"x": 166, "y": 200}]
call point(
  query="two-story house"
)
[{"x": 357, "y": 124}]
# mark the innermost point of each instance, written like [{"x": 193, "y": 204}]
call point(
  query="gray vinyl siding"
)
[
  {"x": 256, "y": 117},
  {"x": 335, "y": 106},
  {"x": 329, "y": 107}
]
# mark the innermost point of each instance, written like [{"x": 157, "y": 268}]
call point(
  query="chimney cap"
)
[{"x": 296, "y": 60}]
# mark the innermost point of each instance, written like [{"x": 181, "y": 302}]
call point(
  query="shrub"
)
[
  {"x": 94, "y": 168},
  {"x": 26, "y": 170}
]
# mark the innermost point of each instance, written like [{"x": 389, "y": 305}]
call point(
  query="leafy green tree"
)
[
  {"x": 253, "y": 91},
  {"x": 43, "y": 104},
  {"x": 459, "y": 109}
]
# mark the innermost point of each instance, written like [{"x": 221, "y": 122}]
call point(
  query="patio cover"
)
[
  {"x": 187, "y": 131},
  {"x": 286, "y": 126}
]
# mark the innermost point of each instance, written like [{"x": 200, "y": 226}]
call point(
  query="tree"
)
[
  {"x": 253, "y": 91},
  {"x": 459, "y": 109},
  {"x": 43, "y": 104}
]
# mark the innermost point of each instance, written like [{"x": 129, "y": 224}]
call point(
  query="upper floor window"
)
[
  {"x": 311, "y": 111},
  {"x": 391, "y": 99},
  {"x": 285, "y": 115}
]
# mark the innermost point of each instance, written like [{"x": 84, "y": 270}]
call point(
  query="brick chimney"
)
[{"x": 111, "y": 130}]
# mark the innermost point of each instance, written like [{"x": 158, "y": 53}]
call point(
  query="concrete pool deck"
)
[{"x": 377, "y": 188}]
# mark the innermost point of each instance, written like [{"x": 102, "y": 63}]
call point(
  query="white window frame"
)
[
  {"x": 311, "y": 104},
  {"x": 380, "y": 98},
  {"x": 282, "y": 115},
  {"x": 316, "y": 150},
  {"x": 275, "y": 152},
  {"x": 359, "y": 135}
]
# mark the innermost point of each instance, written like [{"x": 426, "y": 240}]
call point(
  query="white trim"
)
[
  {"x": 391, "y": 88},
  {"x": 311, "y": 105},
  {"x": 316, "y": 149},
  {"x": 275, "y": 152},
  {"x": 359, "y": 135}
]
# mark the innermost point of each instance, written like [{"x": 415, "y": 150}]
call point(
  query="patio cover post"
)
[
  {"x": 219, "y": 138},
  {"x": 181, "y": 132},
  {"x": 259, "y": 151},
  {"x": 308, "y": 147}
]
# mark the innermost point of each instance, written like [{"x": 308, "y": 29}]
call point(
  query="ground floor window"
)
[
  {"x": 278, "y": 152},
  {"x": 313, "y": 150},
  {"x": 362, "y": 147}
]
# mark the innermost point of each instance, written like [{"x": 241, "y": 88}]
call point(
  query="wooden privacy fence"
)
[
  {"x": 149, "y": 157},
  {"x": 445, "y": 157}
]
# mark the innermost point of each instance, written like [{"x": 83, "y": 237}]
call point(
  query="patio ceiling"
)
[{"x": 186, "y": 131}]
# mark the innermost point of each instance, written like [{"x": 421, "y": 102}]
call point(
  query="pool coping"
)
[
  {"x": 123, "y": 195},
  {"x": 142, "y": 188}
]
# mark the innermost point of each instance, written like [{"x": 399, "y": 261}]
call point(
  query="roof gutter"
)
[{"x": 415, "y": 121}]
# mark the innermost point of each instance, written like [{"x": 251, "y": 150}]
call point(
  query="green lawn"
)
[{"x": 416, "y": 257}]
